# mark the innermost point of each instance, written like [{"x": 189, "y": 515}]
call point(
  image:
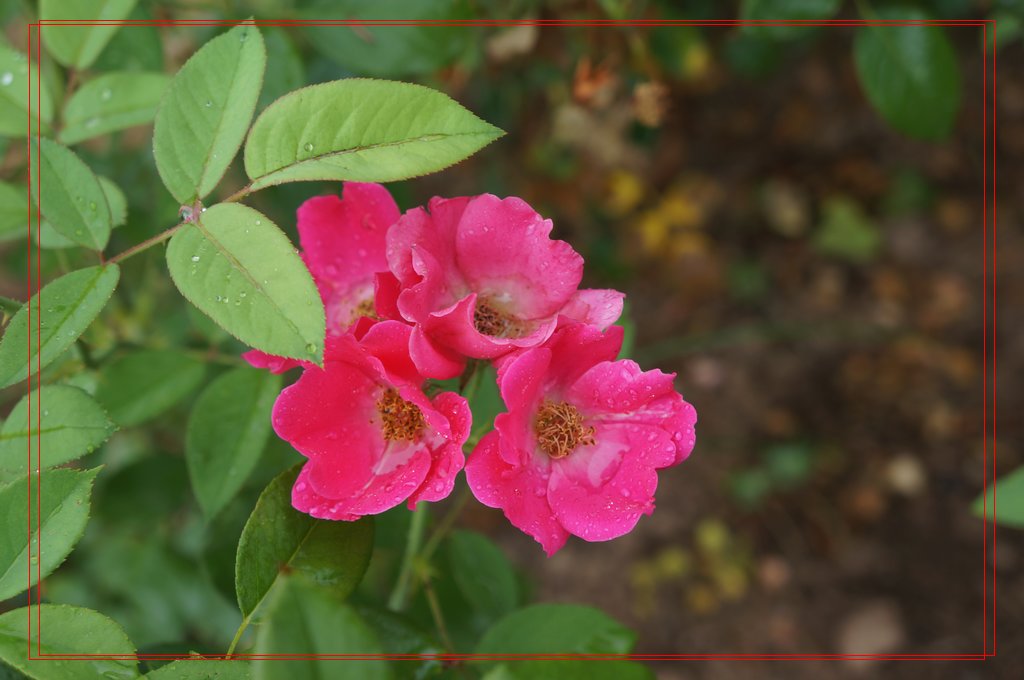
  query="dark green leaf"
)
[
  {"x": 139, "y": 386},
  {"x": 64, "y": 308},
  {"x": 279, "y": 538},
  {"x": 361, "y": 130},
  {"x": 484, "y": 400},
  {"x": 202, "y": 669},
  {"x": 227, "y": 430},
  {"x": 236, "y": 266},
  {"x": 305, "y": 619},
  {"x": 67, "y": 422},
  {"x": 483, "y": 574},
  {"x": 389, "y": 51},
  {"x": 1005, "y": 499},
  {"x": 113, "y": 101},
  {"x": 137, "y": 49},
  {"x": 557, "y": 629},
  {"x": 77, "y": 46},
  {"x": 909, "y": 74},
  {"x": 63, "y": 510},
  {"x": 72, "y": 199},
  {"x": 206, "y": 110},
  {"x": 67, "y": 631},
  {"x": 571, "y": 669},
  {"x": 16, "y": 73}
]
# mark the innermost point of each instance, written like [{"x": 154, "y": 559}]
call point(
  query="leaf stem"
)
[
  {"x": 239, "y": 195},
  {"x": 147, "y": 244},
  {"x": 400, "y": 594},
  {"x": 238, "y": 634},
  {"x": 9, "y": 305}
]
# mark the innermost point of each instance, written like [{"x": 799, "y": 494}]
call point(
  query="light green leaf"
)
[
  {"x": 483, "y": 574},
  {"x": 846, "y": 232},
  {"x": 202, "y": 669},
  {"x": 113, "y": 101},
  {"x": 784, "y": 10},
  {"x": 305, "y": 619},
  {"x": 557, "y": 629},
  {"x": 50, "y": 239},
  {"x": 63, "y": 510},
  {"x": 67, "y": 422},
  {"x": 71, "y": 197},
  {"x": 236, "y": 266},
  {"x": 63, "y": 309},
  {"x": 16, "y": 72},
  {"x": 277, "y": 538},
  {"x": 140, "y": 386},
  {"x": 571, "y": 669},
  {"x": 78, "y": 46},
  {"x": 66, "y": 631},
  {"x": 361, "y": 130},
  {"x": 227, "y": 430},
  {"x": 1008, "y": 507},
  {"x": 13, "y": 212},
  {"x": 206, "y": 110},
  {"x": 909, "y": 74},
  {"x": 396, "y": 50}
]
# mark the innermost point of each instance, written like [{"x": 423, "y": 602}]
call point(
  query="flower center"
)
[
  {"x": 365, "y": 308},
  {"x": 401, "y": 420},
  {"x": 560, "y": 429},
  {"x": 489, "y": 321}
]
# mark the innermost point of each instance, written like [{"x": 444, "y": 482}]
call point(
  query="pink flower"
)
[
  {"x": 372, "y": 437},
  {"x": 579, "y": 449},
  {"x": 343, "y": 246},
  {"x": 481, "y": 277}
]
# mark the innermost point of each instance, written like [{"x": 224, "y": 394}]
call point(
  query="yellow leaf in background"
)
[{"x": 625, "y": 191}]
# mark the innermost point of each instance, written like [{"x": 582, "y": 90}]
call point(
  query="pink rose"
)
[
  {"x": 372, "y": 437},
  {"x": 579, "y": 449},
  {"x": 481, "y": 277}
]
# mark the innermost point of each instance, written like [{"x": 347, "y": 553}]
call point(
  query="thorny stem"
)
[{"x": 400, "y": 594}]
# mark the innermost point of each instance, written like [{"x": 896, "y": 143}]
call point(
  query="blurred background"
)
[{"x": 807, "y": 258}]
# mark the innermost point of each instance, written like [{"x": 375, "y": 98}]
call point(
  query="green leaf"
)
[
  {"x": 628, "y": 332},
  {"x": 66, "y": 631},
  {"x": 202, "y": 669},
  {"x": 62, "y": 512},
  {"x": 788, "y": 464},
  {"x": 77, "y": 46},
  {"x": 557, "y": 629},
  {"x": 484, "y": 399},
  {"x": 116, "y": 201},
  {"x": 13, "y": 212},
  {"x": 206, "y": 110},
  {"x": 137, "y": 49},
  {"x": 16, "y": 74},
  {"x": 279, "y": 538},
  {"x": 389, "y": 51},
  {"x": 63, "y": 309},
  {"x": 305, "y": 619},
  {"x": 70, "y": 425},
  {"x": 139, "y": 386},
  {"x": 483, "y": 574},
  {"x": 227, "y": 431},
  {"x": 909, "y": 74},
  {"x": 72, "y": 199},
  {"x": 769, "y": 10},
  {"x": 847, "y": 233},
  {"x": 285, "y": 71},
  {"x": 1008, "y": 506},
  {"x": 361, "y": 130},
  {"x": 236, "y": 266},
  {"x": 113, "y": 101}
]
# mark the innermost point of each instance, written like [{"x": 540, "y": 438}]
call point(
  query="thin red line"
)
[
  {"x": 28, "y": 284},
  {"x": 984, "y": 342},
  {"x": 39, "y": 350},
  {"x": 538, "y": 22},
  {"x": 995, "y": 250}
]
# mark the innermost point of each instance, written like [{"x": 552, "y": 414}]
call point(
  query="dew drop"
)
[
  {"x": 7, "y": 78},
  {"x": 259, "y": 222},
  {"x": 195, "y": 258},
  {"x": 92, "y": 122},
  {"x": 308, "y": 146},
  {"x": 106, "y": 94},
  {"x": 209, "y": 103},
  {"x": 311, "y": 348},
  {"x": 92, "y": 206}
]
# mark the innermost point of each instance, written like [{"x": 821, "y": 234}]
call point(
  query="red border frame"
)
[{"x": 987, "y": 158}]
